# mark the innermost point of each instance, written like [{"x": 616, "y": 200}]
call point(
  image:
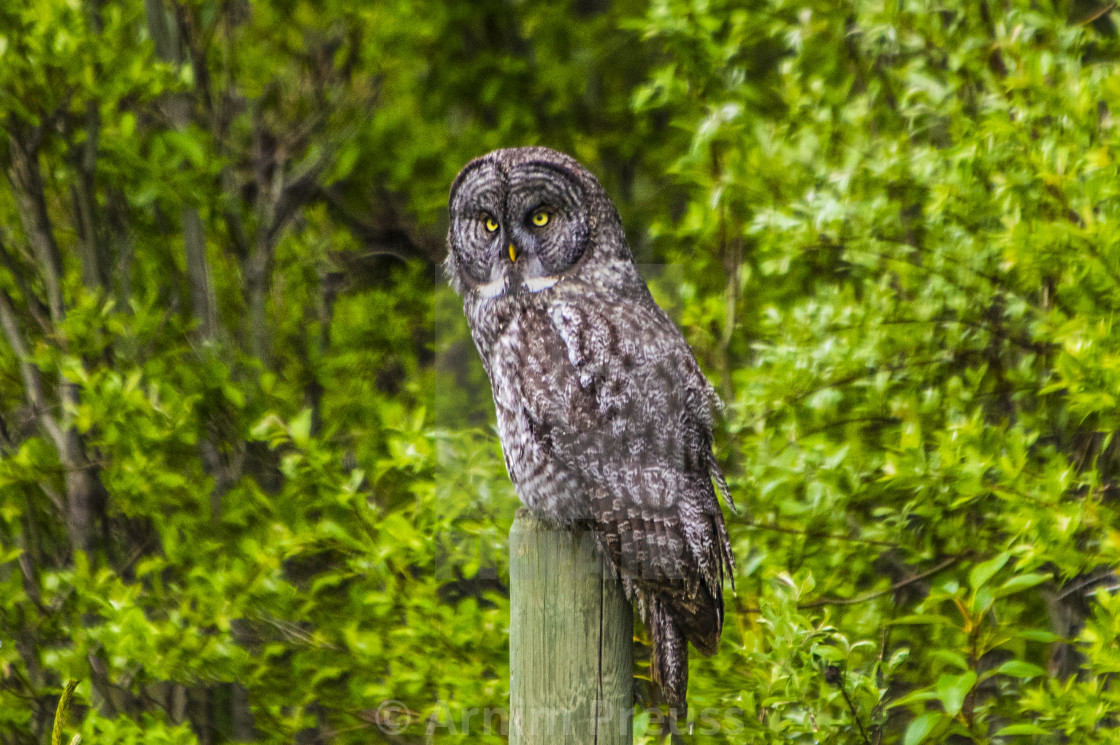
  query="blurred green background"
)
[{"x": 249, "y": 484}]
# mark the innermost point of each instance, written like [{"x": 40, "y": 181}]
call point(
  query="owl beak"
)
[{"x": 512, "y": 253}]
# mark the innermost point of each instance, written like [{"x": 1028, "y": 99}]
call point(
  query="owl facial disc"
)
[{"x": 517, "y": 223}]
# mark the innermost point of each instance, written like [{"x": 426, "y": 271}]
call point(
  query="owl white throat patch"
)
[{"x": 498, "y": 287}]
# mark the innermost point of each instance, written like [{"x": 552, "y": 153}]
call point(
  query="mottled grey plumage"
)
[{"x": 604, "y": 415}]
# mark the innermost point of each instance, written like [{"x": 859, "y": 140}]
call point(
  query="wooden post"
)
[{"x": 570, "y": 641}]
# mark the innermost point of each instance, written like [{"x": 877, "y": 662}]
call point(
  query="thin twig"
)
[
  {"x": 879, "y": 593},
  {"x": 821, "y": 534},
  {"x": 855, "y": 716},
  {"x": 855, "y": 377}
]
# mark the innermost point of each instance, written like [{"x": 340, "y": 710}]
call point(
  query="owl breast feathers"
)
[{"x": 604, "y": 415}]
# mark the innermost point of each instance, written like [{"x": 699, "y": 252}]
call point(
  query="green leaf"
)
[
  {"x": 952, "y": 690},
  {"x": 1021, "y": 582},
  {"x": 1020, "y": 669},
  {"x": 951, "y": 657},
  {"x": 1022, "y": 729},
  {"x": 234, "y": 395},
  {"x": 345, "y": 161},
  {"x": 919, "y": 619},
  {"x": 914, "y": 697},
  {"x": 921, "y": 727},
  {"x": 300, "y": 428},
  {"x": 984, "y": 571},
  {"x": 828, "y": 652}
]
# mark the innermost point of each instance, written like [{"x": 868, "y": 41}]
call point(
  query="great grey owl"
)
[{"x": 603, "y": 413}]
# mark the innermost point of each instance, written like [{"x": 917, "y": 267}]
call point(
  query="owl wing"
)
[{"x": 620, "y": 402}]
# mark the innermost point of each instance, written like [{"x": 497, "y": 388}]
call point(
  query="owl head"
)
[{"x": 524, "y": 218}]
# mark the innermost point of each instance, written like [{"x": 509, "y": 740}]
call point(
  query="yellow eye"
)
[
  {"x": 491, "y": 225},
  {"x": 540, "y": 218}
]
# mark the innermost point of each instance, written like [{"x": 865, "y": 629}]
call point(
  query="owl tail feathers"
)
[{"x": 669, "y": 663}]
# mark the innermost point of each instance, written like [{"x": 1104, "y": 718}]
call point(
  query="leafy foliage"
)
[{"x": 248, "y": 484}]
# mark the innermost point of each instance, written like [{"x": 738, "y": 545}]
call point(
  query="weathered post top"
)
[{"x": 570, "y": 641}]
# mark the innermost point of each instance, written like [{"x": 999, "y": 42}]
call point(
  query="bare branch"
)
[
  {"x": 379, "y": 240},
  {"x": 32, "y": 381},
  {"x": 204, "y": 300},
  {"x": 166, "y": 36},
  {"x": 82, "y": 193},
  {"x": 27, "y": 184},
  {"x": 35, "y": 306}
]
